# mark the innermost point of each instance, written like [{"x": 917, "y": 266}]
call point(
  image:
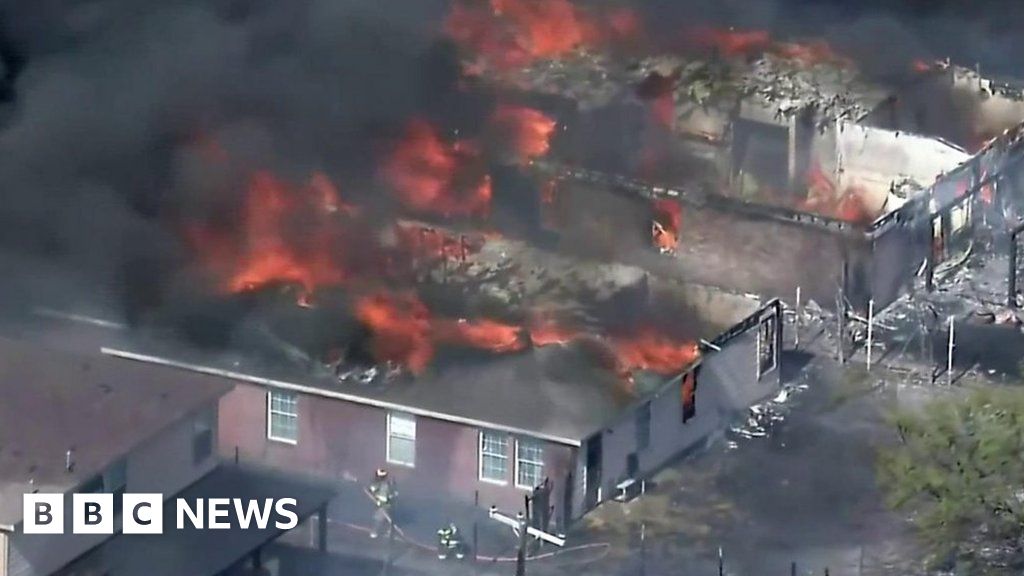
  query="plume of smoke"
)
[{"x": 109, "y": 94}]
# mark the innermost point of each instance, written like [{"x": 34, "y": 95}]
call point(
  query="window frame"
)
[
  {"x": 480, "y": 457},
  {"x": 271, "y": 412},
  {"x": 390, "y": 433},
  {"x": 520, "y": 460},
  {"x": 770, "y": 325},
  {"x": 689, "y": 412}
]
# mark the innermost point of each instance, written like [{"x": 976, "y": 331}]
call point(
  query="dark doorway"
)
[{"x": 593, "y": 472}]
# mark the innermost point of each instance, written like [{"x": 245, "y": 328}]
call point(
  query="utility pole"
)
[
  {"x": 524, "y": 524},
  {"x": 522, "y": 529}
]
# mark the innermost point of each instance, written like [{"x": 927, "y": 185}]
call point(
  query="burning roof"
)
[
  {"x": 553, "y": 379},
  {"x": 782, "y": 81}
]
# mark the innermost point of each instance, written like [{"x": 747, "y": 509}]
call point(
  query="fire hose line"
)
[{"x": 604, "y": 546}]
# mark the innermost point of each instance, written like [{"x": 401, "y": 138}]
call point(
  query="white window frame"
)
[
  {"x": 480, "y": 458},
  {"x": 387, "y": 444},
  {"x": 520, "y": 460},
  {"x": 270, "y": 417}
]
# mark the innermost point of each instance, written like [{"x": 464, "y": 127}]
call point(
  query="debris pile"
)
[
  {"x": 762, "y": 418},
  {"x": 834, "y": 91}
]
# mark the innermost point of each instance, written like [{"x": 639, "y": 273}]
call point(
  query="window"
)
[
  {"x": 766, "y": 353},
  {"x": 202, "y": 437},
  {"x": 689, "y": 396},
  {"x": 643, "y": 426},
  {"x": 282, "y": 416},
  {"x": 493, "y": 457},
  {"x": 401, "y": 448},
  {"x": 529, "y": 464},
  {"x": 960, "y": 216}
]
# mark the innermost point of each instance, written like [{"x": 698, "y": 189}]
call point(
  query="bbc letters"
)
[{"x": 144, "y": 513}]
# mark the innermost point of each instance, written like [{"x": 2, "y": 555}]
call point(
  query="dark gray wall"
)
[{"x": 727, "y": 384}]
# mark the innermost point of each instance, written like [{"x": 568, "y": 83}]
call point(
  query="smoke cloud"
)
[{"x": 106, "y": 106}]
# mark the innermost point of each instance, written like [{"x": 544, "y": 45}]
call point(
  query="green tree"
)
[{"x": 958, "y": 468}]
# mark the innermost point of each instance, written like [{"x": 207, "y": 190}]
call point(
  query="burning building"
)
[
  {"x": 789, "y": 168},
  {"x": 576, "y": 400},
  {"x": 433, "y": 281}
]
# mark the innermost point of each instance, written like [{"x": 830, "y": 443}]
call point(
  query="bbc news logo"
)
[{"x": 144, "y": 513}]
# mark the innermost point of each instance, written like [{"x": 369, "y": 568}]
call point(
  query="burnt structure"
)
[{"x": 804, "y": 176}]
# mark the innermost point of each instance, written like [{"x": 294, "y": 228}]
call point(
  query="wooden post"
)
[
  {"x": 523, "y": 525},
  {"x": 840, "y": 328},
  {"x": 949, "y": 353},
  {"x": 1011, "y": 284},
  {"x": 796, "y": 321},
  {"x": 871, "y": 329},
  {"x": 791, "y": 152}
]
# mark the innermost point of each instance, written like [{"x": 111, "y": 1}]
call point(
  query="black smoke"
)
[
  {"x": 882, "y": 35},
  {"x": 102, "y": 101}
]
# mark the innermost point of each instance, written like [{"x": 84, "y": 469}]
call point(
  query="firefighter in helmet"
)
[
  {"x": 449, "y": 542},
  {"x": 383, "y": 493}
]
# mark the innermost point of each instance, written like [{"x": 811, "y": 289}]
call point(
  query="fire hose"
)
[{"x": 602, "y": 546}]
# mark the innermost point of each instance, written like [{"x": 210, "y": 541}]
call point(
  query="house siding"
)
[
  {"x": 727, "y": 383},
  {"x": 346, "y": 441},
  {"x": 162, "y": 465}
]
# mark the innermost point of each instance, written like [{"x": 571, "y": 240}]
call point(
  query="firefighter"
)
[
  {"x": 449, "y": 541},
  {"x": 383, "y": 493}
]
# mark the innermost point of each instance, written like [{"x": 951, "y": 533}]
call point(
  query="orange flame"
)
[
  {"x": 809, "y": 53},
  {"x": 430, "y": 175},
  {"x": 482, "y": 334},
  {"x": 400, "y": 329},
  {"x": 668, "y": 218},
  {"x": 735, "y": 43},
  {"x": 921, "y": 66},
  {"x": 527, "y": 131},
  {"x": 327, "y": 197},
  {"x": 513, "y": 33},
  {"x": 732, "y": 42},
  {"x": 262, "y": 252},
  {"x": 649, "y": 350},
  {"x": 545, "y": 331},
  {"x": 824, "y": 197}
]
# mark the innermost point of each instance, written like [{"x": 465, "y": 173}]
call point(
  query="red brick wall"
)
[{"x": 339, "y": 439}]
